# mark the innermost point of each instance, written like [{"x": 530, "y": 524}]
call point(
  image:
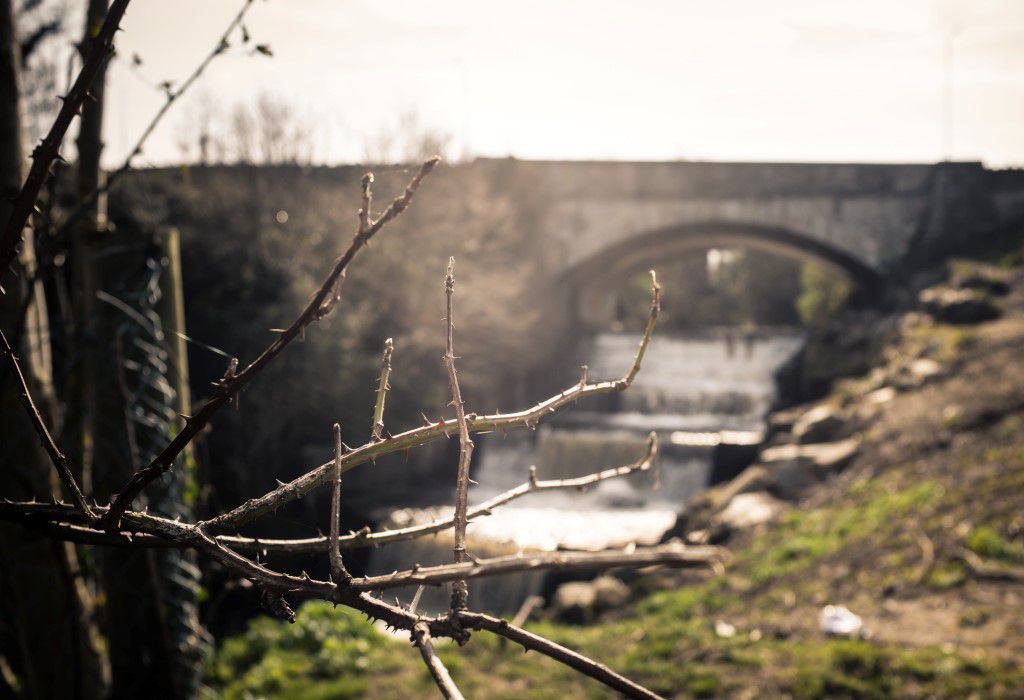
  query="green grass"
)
[
  {"x": 986, "y": 542},
  {"x": 666, "y": 642},
  {"x": 861, "y": 545}
]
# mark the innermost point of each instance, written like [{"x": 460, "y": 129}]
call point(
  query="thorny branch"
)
[
  {"x": 460, "y": 592},
  {"x": 171, "y": 96},
  {"x": 59, "y": 460},
  {"x": 339, "y": 573},
  {"x": 421, "y": 638},
  {"x": 117, "y": 525},
  {"x": 382, "y": 391},
  {"x": 102, "y": 45},
  {"x": 570, "y": 658},
  {"x": 130, "y": 535},
  {"x": 298, "y": 487},
  {"x": 184, "y": 535},
  {"x": 230, "y": 386}
]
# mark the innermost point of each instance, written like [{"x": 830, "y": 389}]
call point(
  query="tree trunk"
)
[{"x": 45, "y": 633}]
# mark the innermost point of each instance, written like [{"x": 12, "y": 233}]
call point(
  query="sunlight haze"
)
[{"x": 784, "y": 81}]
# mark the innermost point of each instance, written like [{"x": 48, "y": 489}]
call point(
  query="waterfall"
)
[{"x": 699, "y": 393}]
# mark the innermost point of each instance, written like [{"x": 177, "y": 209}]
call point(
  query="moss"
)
[
  {"x": 809, "y": 537},
  {"x": 947, "y": 575},
  {"x": 986, "y": 542},
  {"x": 704, "y": 685}
]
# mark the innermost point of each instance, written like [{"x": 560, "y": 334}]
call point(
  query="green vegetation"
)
[
  {"x": 667, "y": 641},
  {"x": 823, "y": 294},
  {"x": 988, "y": 543},
  {"x": 325, "y": 654}
]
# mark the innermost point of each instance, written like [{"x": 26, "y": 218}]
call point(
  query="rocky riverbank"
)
[{"x": 898, "y": 496}]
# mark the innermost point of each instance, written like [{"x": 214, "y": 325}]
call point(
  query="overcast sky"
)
[{"x": 786, "y": 80}]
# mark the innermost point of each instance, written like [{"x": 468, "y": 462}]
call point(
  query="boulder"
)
[
  {"x": 609, "y": 593},
  {"x": 749, "y": 509},
  {"x": 830, "y": 457},
  {"x": 791, "y": 469},
  {"x": 573, "y": 602},
  {"x": 700, "y": 510},
  {"x": 970, "y": 274},
  {"x": 578, "y": 601},
  {"x": 960, "y": 306},
  {"x": 880, "y": 396},
  {"x": 924, "y": 369},
  {"x": 820, "y": 424}
]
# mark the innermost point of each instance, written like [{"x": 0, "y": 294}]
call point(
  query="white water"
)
[{"x": 689, "y": 391}]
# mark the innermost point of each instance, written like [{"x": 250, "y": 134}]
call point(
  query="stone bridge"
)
[{"x": 872, "y": 222}]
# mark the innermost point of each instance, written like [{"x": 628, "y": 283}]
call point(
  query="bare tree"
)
[{"x": 42, "y": 604}]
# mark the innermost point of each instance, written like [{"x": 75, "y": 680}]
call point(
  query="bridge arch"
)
[{"x": 589, "y": 280}]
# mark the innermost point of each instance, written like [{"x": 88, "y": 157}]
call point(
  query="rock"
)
[
  {"x": 925, "y": 369},
  {"x": 609, "y": 593},
  {"x": 879, "y": 396},
  {"x": 782, "y": 421},
  {"x": 574, "y": 602},
  {"x": 830, "y": 457},
  {"x": 961, "y": 306},
  {"x": 578, "y": 601},
  {"x": 702, "y": 508},
  {"x": 749, "y": 509},
  {"x": 968, "y": 274},
  {"x": 820, "y": 424},
  {"x": 791, "y": 469}
]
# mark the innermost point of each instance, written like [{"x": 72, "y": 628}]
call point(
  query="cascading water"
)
[{"x": 701, "y": 394}]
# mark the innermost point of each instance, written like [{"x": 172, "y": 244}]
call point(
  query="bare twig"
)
[
  {"x": 421, "y": 638},
  {"x": 296, "y": 488},
  {"x": 339, "y": 574},
  {"x": 655, "y": 307},
  {"x": 183, "y": 535},
  {"x": 460, "y": 592},
  {"x": 382, "y": 391},
  {"x": 229, "y": 387},
  {"x": 170, "y": 97},
  {"x": 672, "y": 554},
  {"x": 101, "y": 46},
  {"x": 58, "y": 513},
  {"x": 927, "y": 557},
  {"x": 365, "y": 210},
  {"x": 570, "y": 658},
  {"x": 59, "y": 460},
  {"x": 526, "y": 609},
  {"x": 986, "y": 570}
]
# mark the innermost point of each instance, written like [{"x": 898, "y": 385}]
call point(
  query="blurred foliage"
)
[
  {"x": 823, "y": 294},
  {"x": 718, "y": 288},
  {"x": 989, "y": 543},
  {"x": 255, "y": 244},
  {"x": 326, "y": 653}
]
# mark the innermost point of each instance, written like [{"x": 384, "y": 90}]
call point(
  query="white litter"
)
[
  {"x": 838, "y": 621},
  {"x": 724, "y": 629}
]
